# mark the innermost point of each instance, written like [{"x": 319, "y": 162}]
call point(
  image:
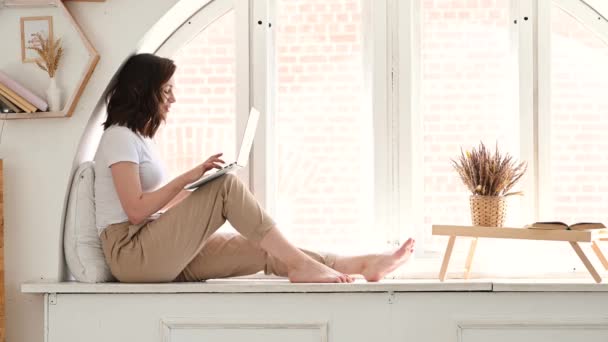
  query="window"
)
[
  {"x": 324, "y": 131},
  {"x": 579, "y": 121},
  {"x": 475, "y": 63},
  {"x": 468, "y": 96},
  {"x": 202, "y": 121},
  {"x": 350, "y": 95}
]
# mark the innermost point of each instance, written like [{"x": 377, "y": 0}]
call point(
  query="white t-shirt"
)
[{"x": 119, "y": 143}]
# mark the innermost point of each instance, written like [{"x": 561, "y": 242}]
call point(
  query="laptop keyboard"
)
[{"x": 227, "y": 166}]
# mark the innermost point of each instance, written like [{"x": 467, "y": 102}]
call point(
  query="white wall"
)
[{"x": 38, "y": 154}]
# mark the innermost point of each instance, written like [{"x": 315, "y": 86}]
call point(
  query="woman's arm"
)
[{"x": 139, "y": 205}]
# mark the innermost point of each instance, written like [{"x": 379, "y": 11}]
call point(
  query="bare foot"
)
[
  {"x": 311, "y": 271},
  {"x": 382, "y": 264}
]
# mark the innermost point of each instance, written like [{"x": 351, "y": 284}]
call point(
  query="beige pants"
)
[{"x": 183, "y": 245}]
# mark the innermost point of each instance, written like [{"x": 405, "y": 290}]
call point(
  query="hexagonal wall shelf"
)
[{"x": 85, "y": 75}]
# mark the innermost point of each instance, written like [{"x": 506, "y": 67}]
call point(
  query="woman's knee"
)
[
  {"x": 229, "y": 181},
  {"x": 217, "y": 186}
]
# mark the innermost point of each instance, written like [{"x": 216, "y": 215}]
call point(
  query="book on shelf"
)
[
  {"x": 22, "y": 91},
  {"x": 557, "y": 225},
  {"x": 16, "y": 99},
  {"x": 7, "y": 106}
]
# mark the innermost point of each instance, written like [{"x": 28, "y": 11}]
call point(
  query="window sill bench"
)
[
  {"x": 274, "y": 310},
  {"x": 283, "y": 286}
]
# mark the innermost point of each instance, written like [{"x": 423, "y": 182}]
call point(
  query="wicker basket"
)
[{"x": 488, "y": 211}]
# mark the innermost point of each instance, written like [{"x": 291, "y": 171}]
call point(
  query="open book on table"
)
[{"x": 564, "y": 226}]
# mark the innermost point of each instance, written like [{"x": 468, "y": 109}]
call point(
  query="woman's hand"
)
[{"x": 213, "y": 162}]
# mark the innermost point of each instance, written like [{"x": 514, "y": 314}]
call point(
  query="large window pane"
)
[
  {"x": 202, "y": 121},
  {"x": 325, "y": 159},
  {"x": 469, "y": 94},
  {"x": 579, "y": 121}
]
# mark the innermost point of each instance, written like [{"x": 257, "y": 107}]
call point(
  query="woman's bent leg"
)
[{"x": 159, "y": 250}]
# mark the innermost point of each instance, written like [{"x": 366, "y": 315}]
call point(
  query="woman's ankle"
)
[{"x": 275, "y": 244}]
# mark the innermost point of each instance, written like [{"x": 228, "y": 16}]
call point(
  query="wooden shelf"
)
[
  {"x": 38, "y": 115},
  {"x": 73, "y": 99}
]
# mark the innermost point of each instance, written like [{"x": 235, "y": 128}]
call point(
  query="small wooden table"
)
[{"x": 572, "y": 236}]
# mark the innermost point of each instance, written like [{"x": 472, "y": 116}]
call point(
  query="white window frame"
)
[
  {"x": 378, "y": 45},
  {"x": 406, "y": 65},
  {"x": 263, "y": 81},
  {"x": 527, "y": 56},
  {"x": 543, "y": 67}
]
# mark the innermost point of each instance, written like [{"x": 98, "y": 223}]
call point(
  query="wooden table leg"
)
[
  {"x": 446, "y": 258},
  {"x": 467, "y": 268},
  {"x": 599, "y": 254},
  {"x": 586, "y": 262}
]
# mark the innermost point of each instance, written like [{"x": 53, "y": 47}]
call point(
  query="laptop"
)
[{"x": 243, "y": 157}]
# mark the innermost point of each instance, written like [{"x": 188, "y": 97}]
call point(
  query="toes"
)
[
  {"x": 404, "y": 248},
  {"x": 408, "y": 246},
  {"x": 345, "y": 278}
]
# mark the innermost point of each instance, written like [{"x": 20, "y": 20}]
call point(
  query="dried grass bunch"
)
[
  {"x": 50, "y": 52},
  {"x": 488, "y": 174}
]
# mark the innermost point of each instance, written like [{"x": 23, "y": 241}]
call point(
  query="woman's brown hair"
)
[{"x": 135, "y": 94}]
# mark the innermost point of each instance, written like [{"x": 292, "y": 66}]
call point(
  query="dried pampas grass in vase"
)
[
  {"x": 50, "y": 52},
  {"x": 490, "y": 178}
]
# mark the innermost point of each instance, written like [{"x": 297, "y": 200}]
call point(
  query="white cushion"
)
[{"x": 81, "y": 242}]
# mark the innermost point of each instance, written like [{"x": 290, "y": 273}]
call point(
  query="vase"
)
[
  {"x": 488, "y": 211},
  {"x": 53, "y": 96}
]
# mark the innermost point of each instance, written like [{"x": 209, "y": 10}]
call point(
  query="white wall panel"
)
[
  {"x": 556, "y": 330},
  {"x": 208, "y": 317},
  {"x": 352, "y": 317},
  {"x": 197, "y": 329}
]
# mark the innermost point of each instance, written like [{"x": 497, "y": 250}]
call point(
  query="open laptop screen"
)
[{"x": 252, "y": 123}]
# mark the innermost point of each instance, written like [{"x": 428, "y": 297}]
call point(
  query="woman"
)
[{"x": 181, "y": 244}]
